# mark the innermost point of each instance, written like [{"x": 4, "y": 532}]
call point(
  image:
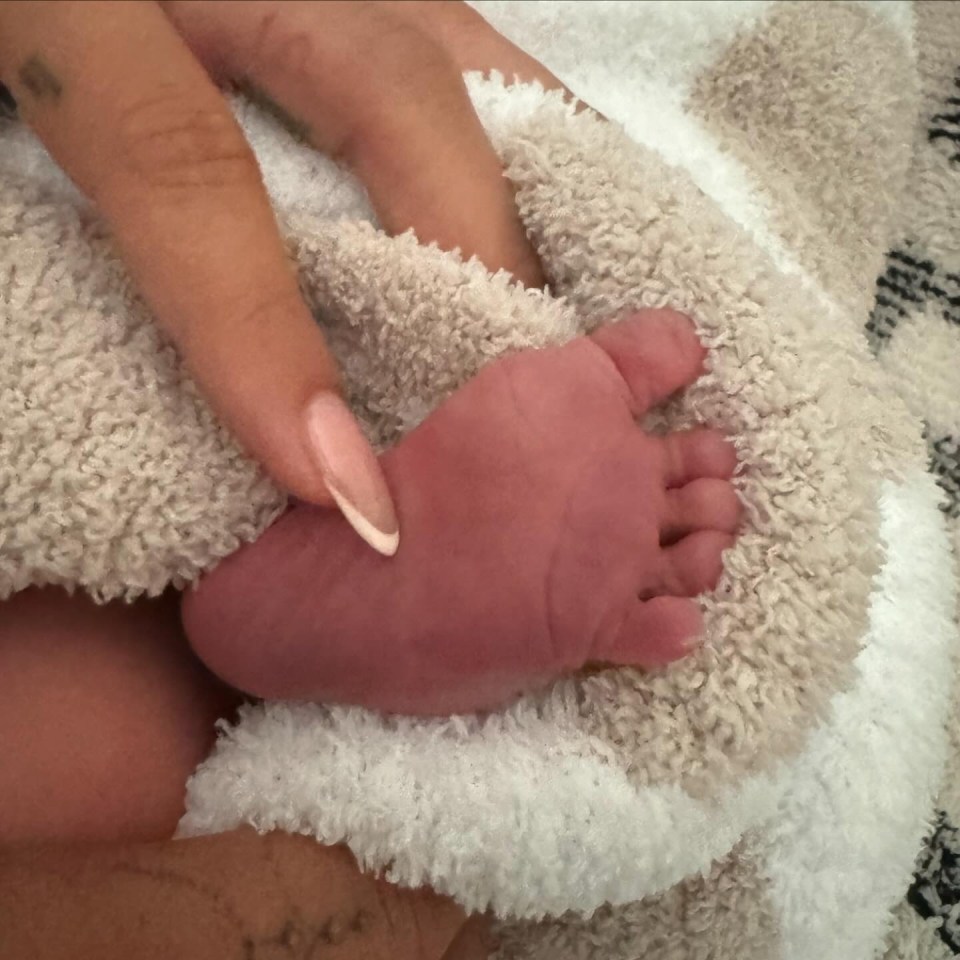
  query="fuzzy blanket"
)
[
  {"x": 914, "y": 330},
  {"x": 765, "y": 798}
]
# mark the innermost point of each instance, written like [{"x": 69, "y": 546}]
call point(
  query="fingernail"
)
[{"x": 351, "y": 472}]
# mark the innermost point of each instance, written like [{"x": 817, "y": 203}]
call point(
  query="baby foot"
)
[{"x": 541, "y": 529}]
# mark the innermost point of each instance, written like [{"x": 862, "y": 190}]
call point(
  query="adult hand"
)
[
  {"x": 125, "y": 96},
  {"x": 218, "y": 898}
]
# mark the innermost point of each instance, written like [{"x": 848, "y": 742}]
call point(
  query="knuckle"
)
[
  {"x": 171, "y": 142},
  {"x": 425, "y": 74},
  {"x": 454, "y": 20},
  {"x": 415, "y": 75}
]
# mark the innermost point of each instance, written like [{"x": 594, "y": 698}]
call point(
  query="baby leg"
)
[{"x": 104, "y": 716}]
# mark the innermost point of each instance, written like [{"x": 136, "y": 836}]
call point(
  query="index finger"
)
[{"x": 133, "y": 118}]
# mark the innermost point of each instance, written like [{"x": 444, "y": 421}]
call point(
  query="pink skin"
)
[{"x": 541, "y": 530}]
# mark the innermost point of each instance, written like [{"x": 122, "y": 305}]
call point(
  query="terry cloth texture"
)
[
  {"x": 765, "y": 798},
  {"x": 914, "y": 329}
]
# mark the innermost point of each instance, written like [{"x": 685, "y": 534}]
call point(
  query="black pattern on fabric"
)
[
  {"x": 912, "y": 280},
  {"x": 898, "y": 288},
  {"x": 945, "y": 466},
  {"x": 935, "y": 892},
  {"x": 944, "y": 127}
]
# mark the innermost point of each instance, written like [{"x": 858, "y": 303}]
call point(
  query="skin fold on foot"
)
[{"x": 543, "y": 530}]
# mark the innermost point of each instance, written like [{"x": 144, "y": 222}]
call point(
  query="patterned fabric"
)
[
  {"x": 945, "y": 127},
  {"x": 945, "y": 464},
  {"x": 909, "y": 281},
  {"x": 921, "y": 284},
  {"x": 935, "y": 893}
]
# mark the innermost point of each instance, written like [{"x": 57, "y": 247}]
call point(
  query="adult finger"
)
[
  {"x": 127, "y": 110},
  {"x": 474, "y": 44},
  {"x": 367, "y": 85}
]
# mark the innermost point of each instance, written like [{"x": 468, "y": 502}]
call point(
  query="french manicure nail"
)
[{"x": 351, "y": 472}]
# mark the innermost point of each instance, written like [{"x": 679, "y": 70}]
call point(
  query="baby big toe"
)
[
  {"x": 657, "y": 353},
  {"x": 704, "y": 504}
]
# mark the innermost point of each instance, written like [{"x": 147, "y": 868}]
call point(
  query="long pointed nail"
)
[{"x": 351, "y": 472}]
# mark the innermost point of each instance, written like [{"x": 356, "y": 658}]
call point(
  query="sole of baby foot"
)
[{"x": 542, "y": 529}]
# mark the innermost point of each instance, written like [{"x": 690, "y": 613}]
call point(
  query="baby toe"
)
[
  {"x": 653, "y": 633},
  {"x": 693, "y": 454},
  {"x": 657, "y": 352},
  {"x": 691, "y": 566},
  {"x": 704, "y": 504}
]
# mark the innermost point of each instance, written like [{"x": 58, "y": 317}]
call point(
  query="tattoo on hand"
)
[
  {"x": 39, "y": 80},
  {"x": 301, "y": 939}
]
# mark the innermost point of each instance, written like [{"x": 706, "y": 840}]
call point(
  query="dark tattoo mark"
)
[
  {"x": 301, "y": 939},
  {"x": 262, "y": 99},
  {"x": 8, "y": 106},
  {"x": 171, "y": 878},
  {"x": 40, "y": 80},
  {"x": 298, "y": 939}
]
